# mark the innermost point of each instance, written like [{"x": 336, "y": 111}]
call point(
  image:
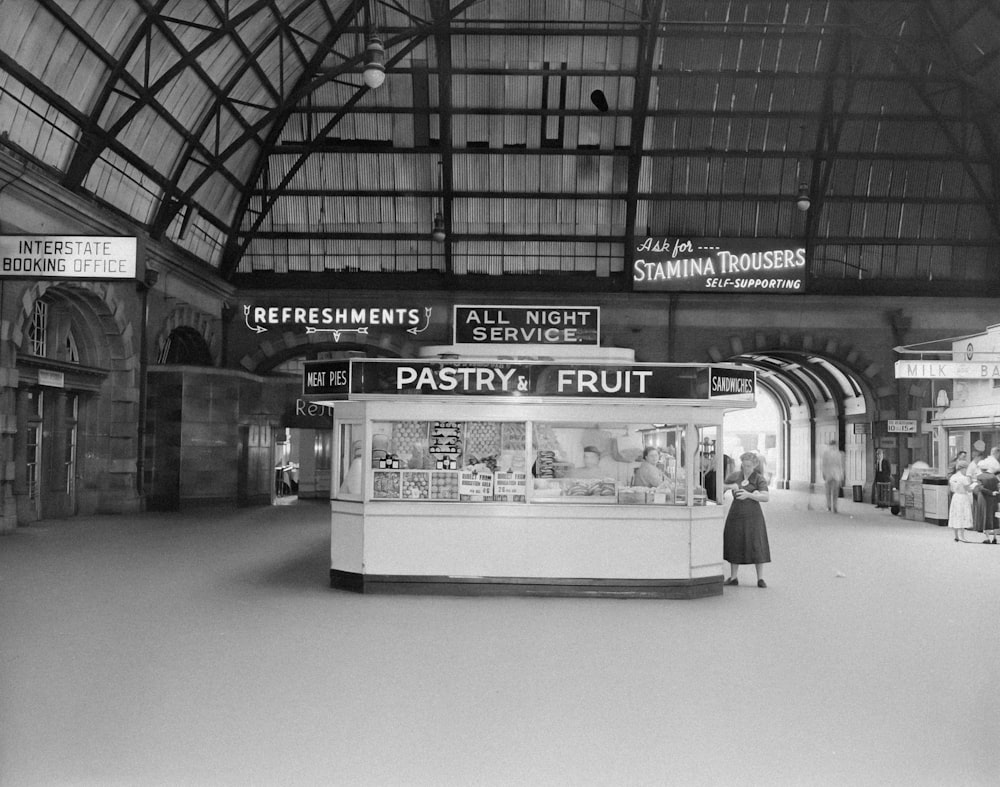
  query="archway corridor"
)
[{"x": 805, "y": 401}]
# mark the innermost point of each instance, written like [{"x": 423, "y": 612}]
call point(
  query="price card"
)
[
  {"x": 510, "y": 484},
  {"x": 476, "y": 485}
]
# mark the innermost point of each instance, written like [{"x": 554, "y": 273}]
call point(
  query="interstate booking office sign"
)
[
  {"x": 68, "y": 257},
  {"x": 718, "y": 265}
]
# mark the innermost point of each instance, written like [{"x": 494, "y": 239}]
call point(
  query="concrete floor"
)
[{"x": 206, "y": 648}]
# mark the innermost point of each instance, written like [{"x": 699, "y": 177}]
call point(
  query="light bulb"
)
[
  {"x": 438, "y": 233},
  {"x": 803, "y": 202},
  {"x": 374, "y": 74}
]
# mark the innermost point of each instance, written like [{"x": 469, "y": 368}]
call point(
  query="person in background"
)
[
  {"x": 991, "y": 462},
  {"x": 984, "y": 504},
  {"x": 352, "y": 481},
  {"x": 833, "y": 474},
  {"x": 744, "y": 536},
  {"x": 954, "y": 462},
  {"x": 960, "y": 508},
  {"x": 883, "y": 475},
  {"x": 647, "y": 473},
  {"x": 591, "y": 464}
]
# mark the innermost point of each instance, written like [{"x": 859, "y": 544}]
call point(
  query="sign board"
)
[
  {"x": 511, "y": 486},
  {"x": 51, "y": 379},
  {"x": 511, "y": 325},
  {"x": 335, "y": 321},
  {"x": 864, "y": 428},
  {"x": 309, "y": 415},
  {"x": 326, "y": 377},
  {"x": 947, "y": 370},
  {"x": 732, "y": 384},
  {"x": 901, "y": 426},
  {"x": 67, "y": 257},
  {"x": 718, "y": 265},
  {"x": 339, "y": 379},
  {"x": 476, "y": 485}
]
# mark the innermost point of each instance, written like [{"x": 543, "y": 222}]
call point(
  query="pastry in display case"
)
[{"x": 470, "y": 461}]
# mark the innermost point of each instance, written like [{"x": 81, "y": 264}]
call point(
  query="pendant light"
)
[
  {"x": 374, "y": 72},
  {"x": 438, "y": 232},
  {"x": 802, "y": 201}
]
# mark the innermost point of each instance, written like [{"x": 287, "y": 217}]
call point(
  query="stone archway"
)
[
  {"x": 823, "y": 389},
  {"x": 100, "y": 387},
  {"x": 186, "y": 318}
]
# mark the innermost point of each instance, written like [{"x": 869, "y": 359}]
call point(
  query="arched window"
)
[
  {"x": 187, "y": 347},
  {"x": 50, "y": 332}
]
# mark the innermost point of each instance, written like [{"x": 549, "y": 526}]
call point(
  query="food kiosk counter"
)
[{"x": 484, "y": 486}]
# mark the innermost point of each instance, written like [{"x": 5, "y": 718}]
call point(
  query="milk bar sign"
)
[
  {"x": 946, "y": 370},
  {"x": 505, "y": 325},
  {"x": 902, "y": 426}
]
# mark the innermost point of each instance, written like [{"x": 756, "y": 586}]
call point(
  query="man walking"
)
[{"x": 833, "y": 474}]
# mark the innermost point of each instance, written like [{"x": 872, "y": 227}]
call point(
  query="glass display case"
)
[
  {"x": 521, "y": 461},
  {"x": 444, "y": 461}
]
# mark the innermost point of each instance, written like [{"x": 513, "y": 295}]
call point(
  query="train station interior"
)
[{"x": 202, "y": 200}]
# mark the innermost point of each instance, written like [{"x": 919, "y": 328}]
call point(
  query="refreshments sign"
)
[
  {"x": 335, "y": 321},
  {"x": 718, "y": 265},
  {"x": 340, "y": 379},
  {"x": 527, "y": 325},
  {"x": 67, "y": 257}
]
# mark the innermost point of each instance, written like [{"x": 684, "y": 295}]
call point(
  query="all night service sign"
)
[{"x": 718, "y": 265}]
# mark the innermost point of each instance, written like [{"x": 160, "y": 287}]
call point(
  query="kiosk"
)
[{"x": 469, "y": 476}]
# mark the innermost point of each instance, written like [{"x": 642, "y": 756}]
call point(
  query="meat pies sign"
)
[{"x": 341, "y": 379}]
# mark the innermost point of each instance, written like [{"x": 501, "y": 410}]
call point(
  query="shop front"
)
[
  {"x": 584, "y": 476},
  {"x": 965, "y": 384}
]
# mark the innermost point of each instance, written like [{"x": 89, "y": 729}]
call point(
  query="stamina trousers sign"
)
[
  {"x": 718, "y": 265},
  {"x": 339, "y": 379}
]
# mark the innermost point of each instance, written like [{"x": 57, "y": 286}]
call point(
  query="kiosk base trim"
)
[{"x": 526, "y": 586}]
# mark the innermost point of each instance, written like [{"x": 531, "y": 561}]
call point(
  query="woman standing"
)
[
  {"x": 744, "y": 538},
  {"x": 984, "y": 507},
  {"x": 960, "y": 508}
]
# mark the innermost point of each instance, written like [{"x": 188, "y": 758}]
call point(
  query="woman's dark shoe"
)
[
  {"x": 761, "y": 583},
  {"x": 731, "y": 581}
]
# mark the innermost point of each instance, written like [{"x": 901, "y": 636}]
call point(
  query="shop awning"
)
[{"x": 976, "y": 415}]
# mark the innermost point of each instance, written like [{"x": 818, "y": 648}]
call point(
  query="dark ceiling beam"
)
[
  {"x": 235, "y": 245},
  {"x": 751, "y": 76},
  {"x": 829, "y": 129},
  {"x": 142, "y": 95},
  {"x": 169, "y": 208},
  {"x": 978, "y": 111},
  {"x": 442, "y": 49},
  {"x": 685, "y": 112},
  {"x": 579, "y": 282},
  {"x": 88, "y": 134},
  {"x": 652, "y": 11},
  {"x": 657, "y": 195},
  {"x": 705, "y": 153},
  {"x": 517, "y": 237}
]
